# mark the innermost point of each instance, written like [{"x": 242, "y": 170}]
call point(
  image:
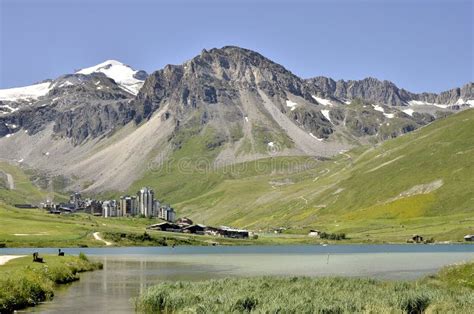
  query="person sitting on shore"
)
[{"x": 36, "y": 258}]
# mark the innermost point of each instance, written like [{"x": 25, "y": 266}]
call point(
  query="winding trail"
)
[
  {"x": 306, "y": 201},
  {"x": 99, "y": 238}
]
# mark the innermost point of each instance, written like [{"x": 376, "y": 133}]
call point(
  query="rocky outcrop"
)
[
  {"x": 92, "y": 122},
  {"x": 386, "y": 92},
  {"x": 217, "y": 76},
  {"x": 314, "y": 122},
  {"x": 452, "y": 96},
  {"x": 80, "y": 107}
]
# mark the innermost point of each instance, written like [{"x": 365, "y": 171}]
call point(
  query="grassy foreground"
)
[
  {"x": 24, "y": 283},
  {"x": 451, "y": 290}
]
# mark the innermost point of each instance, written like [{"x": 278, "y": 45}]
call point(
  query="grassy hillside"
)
[
  {"x": 24, "y": 190},
  {"x": 417, "y": 183}
]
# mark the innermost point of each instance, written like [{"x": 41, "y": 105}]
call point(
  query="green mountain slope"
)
[
  {"x": 21, "y": 189},
  {"x": 418, "y": 183}
]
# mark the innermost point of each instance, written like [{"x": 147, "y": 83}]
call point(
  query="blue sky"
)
[{"x": 420, "y": 45}]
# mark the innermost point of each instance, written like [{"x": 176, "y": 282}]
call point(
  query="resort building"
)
[
  {"x": 167, "y": 213},
  {"x": 146, "y": 201},
  {"x": 128, "y": 205},
  {"x": 110, "y": 209}
]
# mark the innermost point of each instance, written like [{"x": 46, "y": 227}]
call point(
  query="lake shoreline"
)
[
  {"x": 24, "y": 283},
  {"x": 129, "y": 271}
]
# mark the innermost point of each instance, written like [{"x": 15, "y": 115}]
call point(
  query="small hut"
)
[
  {"x": 184, "y": 221},
  {"x": 417, "y": 238},
  {"x": 314, "y": 233},
  {"x": 469, "y": 238}
]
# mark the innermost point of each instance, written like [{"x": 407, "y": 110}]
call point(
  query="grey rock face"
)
[
  {"x": 314, "y": 122},
  {"x": 80, "y": 106},
  {"x": 385, "y": 92},
  {"x": 369, "y": 89},
  {"x": 141, "y": 75},
  {"x": 451, "y": 96},
  {"x": 217, "y": 76},
  {"x": 211, "y": 86}
]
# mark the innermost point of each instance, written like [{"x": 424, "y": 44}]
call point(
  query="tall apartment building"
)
[
  {"x": 146, "y": 201},
  {"x": 167, "y": 213},
  {"x": 128, "y": 205},
  {"x": 109, "y": 209},
  {"x": 156, "y": 208}
]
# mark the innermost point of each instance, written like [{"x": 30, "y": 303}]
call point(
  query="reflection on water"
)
[
  {"x": 110, "y": 290},
  {"x": 129, "y": 271}
]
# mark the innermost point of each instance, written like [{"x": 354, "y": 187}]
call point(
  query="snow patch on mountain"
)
[
  {"x": 322, "y": 101},
  {"x": 313, "y": 136},
  {"x": 67, "y": 83},
  {"x": 291, "y": 104},
  {"x": 461, "y": 101},
  {"x": 326, "y": 115},
  {"x": 122, "y": 74},
  {"x": 424, "y": 103},
  {"x": 25, "y": 93},
  {"x": 11, "y": 109},
  {"x": 380, "y": 108},
  {"x": 409, "y": 112}
]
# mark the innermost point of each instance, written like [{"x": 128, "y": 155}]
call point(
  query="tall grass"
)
[
  {"x": 24, "y": 283},
  {"x": 306, "y": 295}
]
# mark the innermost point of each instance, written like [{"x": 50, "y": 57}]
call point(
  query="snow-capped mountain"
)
[
  {"x": 126, "y": 77},
  {"x": 92, "y": 123},
  {"x": 31, "y": 92}
]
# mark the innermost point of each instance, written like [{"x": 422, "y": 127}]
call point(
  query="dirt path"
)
[
  {"x": 11, "y": 182},
  {"x": 5, "y": 258},
  {"x": 99, "y": 238}
]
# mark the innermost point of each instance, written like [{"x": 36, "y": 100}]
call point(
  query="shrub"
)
[
  {"x": 332, "y": 236},
  {"x": 246, "y": 304},
  {"x": 83, "y": 257},
  {"x": 415, "y": 303}
]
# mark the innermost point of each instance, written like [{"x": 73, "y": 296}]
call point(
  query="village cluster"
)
[{"x": 142, "y": 204}]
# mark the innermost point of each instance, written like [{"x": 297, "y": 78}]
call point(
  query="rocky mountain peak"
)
[
  {"x": 218, "y": 75},
  {"x": 127, "y": 78}
]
